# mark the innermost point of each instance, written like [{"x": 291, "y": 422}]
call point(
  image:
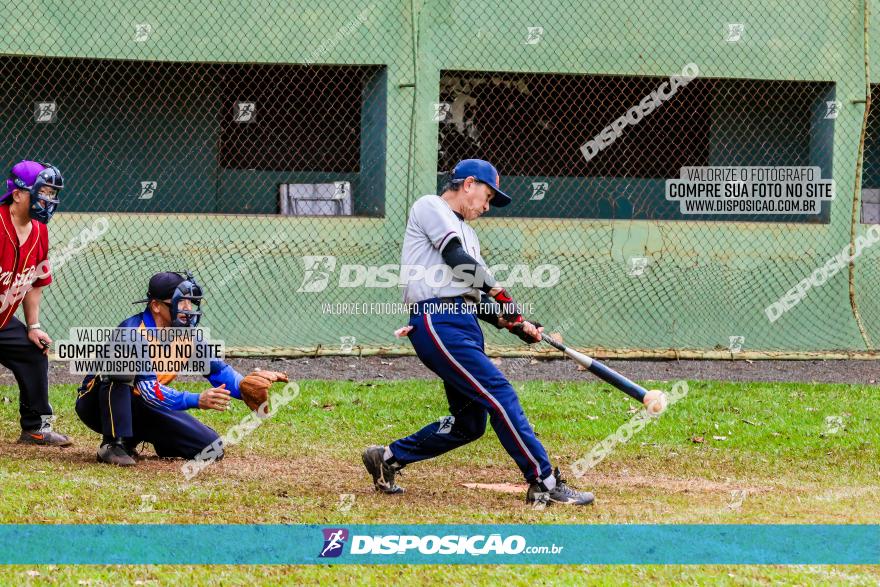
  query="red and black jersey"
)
[{"x": 22, "y": 267}]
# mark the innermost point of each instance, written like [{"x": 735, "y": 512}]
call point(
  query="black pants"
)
[
  {"x": 31, "y": 369},
  {"x": 113, "y": 410}
]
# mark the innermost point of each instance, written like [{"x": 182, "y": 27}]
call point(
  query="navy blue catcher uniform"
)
[{"x": 146, "y": 408}]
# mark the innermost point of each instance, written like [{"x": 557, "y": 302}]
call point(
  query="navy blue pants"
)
[
  {"x": 113, "y": 410},
  {"x": 451, "y": 345},
  {"x": 31, "y": 369}
]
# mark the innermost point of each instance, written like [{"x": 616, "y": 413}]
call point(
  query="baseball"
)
[{"x": 655, "y": 402}]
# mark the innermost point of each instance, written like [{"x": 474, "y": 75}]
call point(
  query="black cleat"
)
[
  {"x": 382, "y": 473},
  {"x": 114, "y": 453},
  {"x": 45, "y": 436},
  {"x": 562, "y": 493},
  {"x": 131, "y": 449}
]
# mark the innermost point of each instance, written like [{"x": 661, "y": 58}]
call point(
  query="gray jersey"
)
[{"x": 429, "y": 228}]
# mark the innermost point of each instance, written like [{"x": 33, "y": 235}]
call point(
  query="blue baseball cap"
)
[{"x": 484, "y": 172}]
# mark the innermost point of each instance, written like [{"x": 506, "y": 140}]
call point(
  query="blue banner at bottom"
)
[{"x": 439, "y": 544}]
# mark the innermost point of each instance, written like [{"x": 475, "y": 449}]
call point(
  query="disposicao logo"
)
[
  {"x": 334, "y": 541},
  {"x": 431, "y": 544}
]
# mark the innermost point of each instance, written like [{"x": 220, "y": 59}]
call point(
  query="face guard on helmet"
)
[
  {"x": 187, "y": 290},
  {"x": 49, "y": 177}
]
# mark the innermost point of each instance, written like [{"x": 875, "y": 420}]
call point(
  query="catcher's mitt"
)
[{"x": 255, "y": 387}]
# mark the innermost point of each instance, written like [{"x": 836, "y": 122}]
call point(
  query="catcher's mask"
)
[
  {"x": 176, "y": 287},
  {"x": 189, "y": 289},
  {"x": 42, "y": 206}
]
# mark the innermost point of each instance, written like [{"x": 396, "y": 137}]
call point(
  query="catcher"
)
[{"x": 128, "y": 410}]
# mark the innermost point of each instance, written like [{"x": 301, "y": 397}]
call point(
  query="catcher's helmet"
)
[
  {"x": 176, "y": 287},
  {"x": 33, "y": 176}
]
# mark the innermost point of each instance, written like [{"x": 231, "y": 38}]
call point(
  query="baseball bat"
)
[{"x": 630, "y": 388}]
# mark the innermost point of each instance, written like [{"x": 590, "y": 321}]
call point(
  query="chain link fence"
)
[{"x": 275, "y": 152}]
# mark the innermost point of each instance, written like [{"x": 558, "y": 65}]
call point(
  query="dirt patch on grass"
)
[
  {"x": 667, "y": 484},
  {"x": 322, "y": 487},
  {"x": 327, "y": 475},
  {"x": 679, "y": 485}
]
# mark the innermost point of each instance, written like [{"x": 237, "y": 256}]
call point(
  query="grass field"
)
[{"x": 726, "y": 453}]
